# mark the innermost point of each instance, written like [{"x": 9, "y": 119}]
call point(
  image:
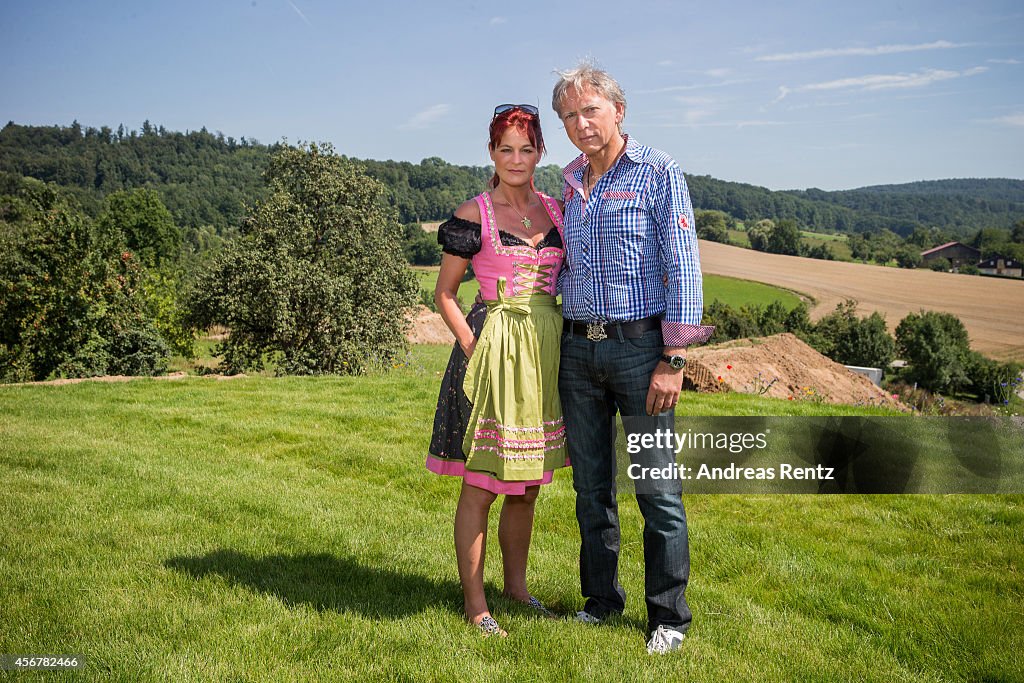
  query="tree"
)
[
  {"x": 1018, "y": 232},
  {"x": 423, "y": 249},
  {"x": 936, "y": 347},
  {"x": 758, "y": 234},
  {"x": 908, "y": 256},
  {"x": 712, "y": 225},
  {"x": 317, "y": 275},
  {"x": 145, "y": 223},
  {"x": 784, "y": 238}
]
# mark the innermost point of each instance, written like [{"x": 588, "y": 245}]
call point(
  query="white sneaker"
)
[
  {"x": 585, "y": 617},
  {"x": 664, "y": 640}
]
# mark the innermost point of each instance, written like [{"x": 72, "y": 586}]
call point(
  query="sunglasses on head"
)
[{"x": 528, "y": 108}]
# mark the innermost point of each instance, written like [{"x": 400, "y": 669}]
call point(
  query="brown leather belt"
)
[{"x": 633, "y": 329}]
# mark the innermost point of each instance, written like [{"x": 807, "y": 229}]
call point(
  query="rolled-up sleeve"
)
[{"x": 680, "y": 260}]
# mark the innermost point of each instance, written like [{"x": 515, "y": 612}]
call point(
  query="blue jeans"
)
[{"x": 595, "y": 380}]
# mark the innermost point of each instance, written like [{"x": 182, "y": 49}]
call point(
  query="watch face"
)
[{"x": 677, "y": 362}]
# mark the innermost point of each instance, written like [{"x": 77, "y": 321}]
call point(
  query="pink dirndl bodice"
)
[{"x": 524, "y": 268}]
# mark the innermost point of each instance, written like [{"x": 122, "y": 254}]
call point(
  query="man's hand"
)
[{"x": 666, "y": 384}]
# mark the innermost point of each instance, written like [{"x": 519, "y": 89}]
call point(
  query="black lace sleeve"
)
[{"x": 459, "y": 237}]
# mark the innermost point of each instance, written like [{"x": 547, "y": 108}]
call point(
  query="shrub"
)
[
  {"x": 71, "y": 297},
  {"x": 936, "y": 347},
  {"x": 850, "y": 340},
  {"x": 820, "y": 251},
  {"x": 991, "y": 380}
]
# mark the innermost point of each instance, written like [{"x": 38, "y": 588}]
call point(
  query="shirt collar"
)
[{"x": 573, "y": 173}]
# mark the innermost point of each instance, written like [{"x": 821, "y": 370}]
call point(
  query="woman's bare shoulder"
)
[{"x": 469, "y": 210}]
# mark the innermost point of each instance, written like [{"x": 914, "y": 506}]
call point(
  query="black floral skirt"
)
[{"x": 453, "y": 408}]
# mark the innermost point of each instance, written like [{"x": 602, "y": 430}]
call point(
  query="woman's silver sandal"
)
[{"x": 489, "y": 627}]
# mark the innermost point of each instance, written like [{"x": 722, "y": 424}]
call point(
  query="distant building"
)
[
  {"x": 999, "y": 265},
  {"x": 957, "y": 253}
]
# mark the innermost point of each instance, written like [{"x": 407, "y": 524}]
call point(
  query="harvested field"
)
[{"x": 992, "y": 309}]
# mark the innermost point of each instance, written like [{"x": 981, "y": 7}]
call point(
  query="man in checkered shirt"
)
[{"x": 632, "y": 299}]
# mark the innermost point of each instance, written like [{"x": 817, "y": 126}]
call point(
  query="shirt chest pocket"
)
[{"x": 623, "y": 203}]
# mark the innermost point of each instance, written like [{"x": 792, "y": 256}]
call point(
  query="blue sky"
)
[{"x": 807, "y": 94}]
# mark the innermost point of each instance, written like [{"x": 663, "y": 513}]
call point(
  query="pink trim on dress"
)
[{"x": 457, "y": 468}]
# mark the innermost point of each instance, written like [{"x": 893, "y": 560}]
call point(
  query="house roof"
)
[
  {"x": 946, "y": 245},
  {"x": 1007, "y": 262}
]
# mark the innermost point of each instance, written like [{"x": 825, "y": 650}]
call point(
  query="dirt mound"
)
[
  {"x": 428, "y": 327},
  {"x": 780, "y": 366}
]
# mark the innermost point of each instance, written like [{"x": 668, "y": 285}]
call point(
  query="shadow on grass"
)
[{"x": 325, "y": 582}]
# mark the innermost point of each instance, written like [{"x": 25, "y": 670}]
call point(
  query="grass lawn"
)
[{"x": 285, "y": 530}]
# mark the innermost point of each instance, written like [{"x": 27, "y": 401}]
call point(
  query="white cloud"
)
[
  {"x": 884, "y": 81},
  {"x": 858, "y": 51},
  {"x": 666, "y": 62},
  {"x": 1004, "y": 61},
  {"x": 498, "y": 20},
  {"x": 696, "y": 123},
  {"x": 695, "y": 100},
  {"x": 426, "y": 118},
  {"x": 683, "y": 88},
  {"x": 1011, "y": 120}
]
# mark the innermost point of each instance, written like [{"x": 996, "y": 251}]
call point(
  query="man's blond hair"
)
[{"x": 586, "y": 76}]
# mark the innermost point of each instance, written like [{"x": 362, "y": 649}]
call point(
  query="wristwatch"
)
[{"x": 675, "y": 362}]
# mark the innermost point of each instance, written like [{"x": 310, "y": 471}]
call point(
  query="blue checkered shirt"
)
[{"x": 631, "y": 251}]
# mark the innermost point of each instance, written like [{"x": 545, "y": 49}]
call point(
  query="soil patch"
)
[
  {"x": 427, "y": 327},
  {"x": 780, "y": 366}
]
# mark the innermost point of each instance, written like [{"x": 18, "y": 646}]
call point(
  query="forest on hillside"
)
[{"x": 207, "y": 180}]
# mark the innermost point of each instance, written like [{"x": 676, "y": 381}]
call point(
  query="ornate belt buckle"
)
[{"x": 595, "y": 332}]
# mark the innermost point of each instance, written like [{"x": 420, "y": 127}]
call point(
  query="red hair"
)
[{"x": 523, "y": 121}]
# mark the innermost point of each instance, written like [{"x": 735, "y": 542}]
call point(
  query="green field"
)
[
  {"x": 838, "y": 244},
  {"x": 726, "y": 289},
  {"x": 265, "y": 529},
  {"x": 737, "y": 292},
  {"x": 739, "y": 238}
]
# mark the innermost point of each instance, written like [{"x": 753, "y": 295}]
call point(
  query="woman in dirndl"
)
[{"x": 498, "y": 424}]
